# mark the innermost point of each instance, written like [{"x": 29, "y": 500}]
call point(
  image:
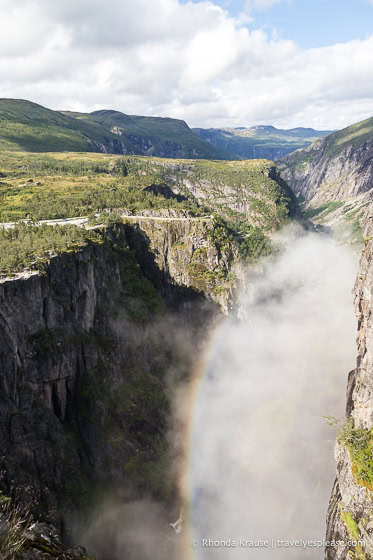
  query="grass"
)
[
  {"x": 324, "y": 209},
  {"x": 356, "y": 552},
  {"x": 167, "y": 136},
  {"x": 30, "y": 127},
  {"x": 354, "y": 135},
  {"x": 351, "y": 525},
  {"x": 359, "y": 443}
]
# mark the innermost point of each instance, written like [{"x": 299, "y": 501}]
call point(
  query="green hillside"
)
[
  {"x": 30, "y": 127},
  {"x": 354, "y": 136},
  {"x": 151, "y": 135},
  {"x": 27, "y": 126}
]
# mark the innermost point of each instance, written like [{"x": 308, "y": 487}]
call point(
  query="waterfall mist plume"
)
[
  {"x": 261, "y": 462},
  {"x": 249, "y": 444}
]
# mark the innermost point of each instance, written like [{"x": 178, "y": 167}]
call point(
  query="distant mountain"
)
[
  {"x": 333, "y": 178},
  {"x": 26, "y": 126},
  {"x": 260, "y": 141},
  {"x": 153, "y": 136}
]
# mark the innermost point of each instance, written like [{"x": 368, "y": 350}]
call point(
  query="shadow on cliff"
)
[{"x": 177, "y": 296}]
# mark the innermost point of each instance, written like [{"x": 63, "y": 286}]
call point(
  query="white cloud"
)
[
  {"x": 262, "y": 4},
  {"x": 190, "y": 61}
]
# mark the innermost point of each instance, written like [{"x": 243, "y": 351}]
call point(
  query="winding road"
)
[{"x": 83, "y": 221}]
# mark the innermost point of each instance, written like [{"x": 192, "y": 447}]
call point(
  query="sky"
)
[{"x": 212, "y": 63}]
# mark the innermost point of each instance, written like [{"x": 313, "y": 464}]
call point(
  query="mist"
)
[
  {"x": 248, "y": 441},
  {"x": 261, "y": 462}
]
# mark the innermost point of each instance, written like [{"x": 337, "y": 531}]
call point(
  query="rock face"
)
[
  {"x": 334, "y": 177},
  {"x": 319, "y": 174},
  {"x": 251, "y": 189},
  {"x": 350, "y": 514},
  {"x": 84, "y": 361}
]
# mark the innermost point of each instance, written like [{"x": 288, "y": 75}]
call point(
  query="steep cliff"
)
[
  {"x": 86, "y": 368},
  {"x": 350, "y": 513},
  {"x": 333, "y": 178}
]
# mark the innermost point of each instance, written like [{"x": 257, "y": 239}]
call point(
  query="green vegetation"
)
[
  {"x": 356, "y": 552},
  {"x": 139, "y": 296},
  {"x": 359, "y": 443},
  {"x": 45, "y": 340},
  {"x": 3, "y": 498},
  {"x": 68, "y": 185},
  {"x": 135, "y": 419},
  {"x": 354, "y": 135},
  {"x": 167, "y": 136},
  {"x": 245, "y": 198},
  {"x": 30, "y": 127},
  {"x": 28, "y": 247},
  {"x": 255, "y": 246},
  {"x": 357, "y": 232},
  {"x": 324, "y": 209},
  {"x": 77, "y": 185},
  {"x": 351, "y": 525}
]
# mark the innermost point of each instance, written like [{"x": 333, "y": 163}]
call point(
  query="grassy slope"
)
[
  {"x": 244, "y": 142},
  {"x": 156, "y": 129},
  {"x": 30, "y": 127},
  {"x": 354, "y": 135}
]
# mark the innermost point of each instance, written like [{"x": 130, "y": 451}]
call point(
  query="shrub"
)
[{"x": 15, "y": 522}]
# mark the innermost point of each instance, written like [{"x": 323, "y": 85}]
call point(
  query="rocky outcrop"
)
[
  {"x": 321, "y": 175},
  {"x": 350, "y": 513},
  {"x": 182, "y": 256},
  {"x": 250, "y": 190},
  {"x": 333, "y": 179}
]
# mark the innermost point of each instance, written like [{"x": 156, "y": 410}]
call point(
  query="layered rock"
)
[
  {"x": 333, "y": 178},
  {"x": 350, "y": 513}
]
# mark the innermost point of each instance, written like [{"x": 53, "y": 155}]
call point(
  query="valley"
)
[
  {"x": 260, "y": 141},
  {"x": 174, "y": 326},
  {"x": 333, "y": 179}
]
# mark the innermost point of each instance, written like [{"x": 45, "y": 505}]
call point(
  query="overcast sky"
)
[{"x": 213, "y": 63}]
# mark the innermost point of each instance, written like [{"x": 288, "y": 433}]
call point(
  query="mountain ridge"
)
[
  {"x": 333, "y": 178},
  {"x": 28, "y": 126},
  {"x": 259, "y": 141}
]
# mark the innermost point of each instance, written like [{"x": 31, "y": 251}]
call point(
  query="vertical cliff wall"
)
[
  {"x": 88, "y": 352},
  {"x": 350, "y": 514}
]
